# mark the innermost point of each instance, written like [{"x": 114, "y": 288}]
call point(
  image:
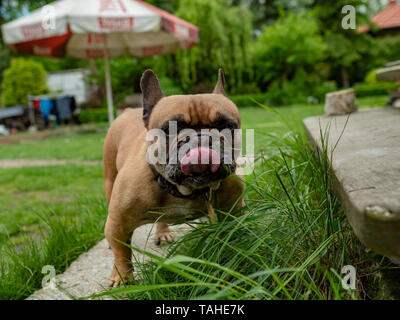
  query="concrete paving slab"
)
[
  {"x": 366, "y": 169},
  {"x": 89, "y": 274}
]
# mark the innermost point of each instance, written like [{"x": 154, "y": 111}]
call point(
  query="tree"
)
[
  {"x": 9, "y": 10},
  {"x": 266, "y": 12},
  {"x": 346, "y": 47},
  {"x": 168, "y": 5},
  {"x": 24, "y": 77},
  {"x": 287, "y": 53},
  {"x": 225, "y": 34}
]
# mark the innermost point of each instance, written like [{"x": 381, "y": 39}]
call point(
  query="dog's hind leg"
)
[
  {"x": 163, "y": 234},
  {"x": 110, "y": 168}
]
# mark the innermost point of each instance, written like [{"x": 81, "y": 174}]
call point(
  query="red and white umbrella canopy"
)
[
  {"x": 99, "y": 29},
  {"x": 95, "y": 28}
]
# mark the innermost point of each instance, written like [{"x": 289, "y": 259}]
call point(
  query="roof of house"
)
[{"x": 388, "y": 18}]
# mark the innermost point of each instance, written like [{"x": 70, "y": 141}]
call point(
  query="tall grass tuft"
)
[
  {"x": 62, "y": 240},
  {"x": 291, "y": 243}
]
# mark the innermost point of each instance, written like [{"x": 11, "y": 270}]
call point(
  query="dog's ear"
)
[
  {"x": 219, "y": 88},
  {"x": 151, "y": 93}
]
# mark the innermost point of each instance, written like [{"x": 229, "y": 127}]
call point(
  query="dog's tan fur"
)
[{"x": 131, "y": 190}]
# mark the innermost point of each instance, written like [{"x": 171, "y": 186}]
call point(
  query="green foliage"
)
[
  {"x": 24, "y": 77},
  {"x": 168, "y": 5},
  {"x": 93, "y": 115},
  {"x": 322, "y": 89},
  {"x": 348, "y": 52},
  {"x": 5, "y": 57},
  {"x": 225, "y": 33},
  {"x": 374, "y": 89},
  {"x": 370, "y": 78},
  {"x": 292, "y": 43},
  {"x": 126, "y": 73},
  {"x": 57, "y": 64},
  {"x": 285, "y": 54},
  {"x": 267, "y": 11},
  {"x": 245, "y": 100},
  {"x": 168, "y": 87}
]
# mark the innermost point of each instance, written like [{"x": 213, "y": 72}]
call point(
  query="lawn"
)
[
  {"x": 72, "y": 147},
  {"x": 29, "y": 192},
  {"x": 89, "y": 146},
  {"x": 291, "y": 244}
]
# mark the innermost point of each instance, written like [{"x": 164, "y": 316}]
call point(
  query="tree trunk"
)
[{"x": 345, "y": 77}]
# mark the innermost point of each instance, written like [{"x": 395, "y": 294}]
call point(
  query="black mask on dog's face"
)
[
  {"x": 200, "y": 143},
  {"x": 200, "y": 157}
]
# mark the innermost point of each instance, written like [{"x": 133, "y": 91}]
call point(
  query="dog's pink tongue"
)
[{"x": 198, "y": 160}]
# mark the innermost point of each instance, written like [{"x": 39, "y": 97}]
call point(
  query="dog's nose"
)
[{"x": 198, "y": 160}]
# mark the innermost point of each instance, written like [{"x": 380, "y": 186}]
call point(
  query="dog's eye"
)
[
  {"x": 225, "y": 123},
  {"x": 172, "y": 128}
]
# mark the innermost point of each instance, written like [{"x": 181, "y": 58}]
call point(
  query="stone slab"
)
[
  {"x": 390, "y": 73},
  {"x": 366, "y": 169},
  {"x": 89, "y": 274}
]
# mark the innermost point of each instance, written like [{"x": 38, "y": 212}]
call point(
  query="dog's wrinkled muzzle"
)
[{"x": 199, "y": 160}]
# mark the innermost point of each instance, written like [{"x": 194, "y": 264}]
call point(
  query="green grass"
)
[
  {"x": 63, "y": 239},
  {"x": 89, "y": 146},
  {"x": 25, "y": 192},
  {"x": 290, "y": 244},
  {"x": 72, "y": 147}
]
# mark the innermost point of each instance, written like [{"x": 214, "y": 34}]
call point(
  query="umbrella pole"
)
[{"x": 108, "y": 88}]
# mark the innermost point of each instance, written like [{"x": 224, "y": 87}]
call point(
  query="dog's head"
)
[{"x": 197, "y": 137}]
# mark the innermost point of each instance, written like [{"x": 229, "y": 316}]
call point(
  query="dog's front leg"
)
[
  {"x": 163, "y": 233},
  {"x": 119, "y": 233}
]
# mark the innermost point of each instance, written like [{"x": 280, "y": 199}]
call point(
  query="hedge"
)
[
  {"x": 375, "y": 89},
  {"x": 93, "y": 115},
  {"x": 245, "y": 100}
]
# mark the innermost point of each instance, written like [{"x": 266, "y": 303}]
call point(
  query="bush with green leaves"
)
[
  {"x": 374, "y": 89},
  {"x": 225, "y": 34},
  {"x": 286, "y": 56},
  {"x": 24, "y": 77}
]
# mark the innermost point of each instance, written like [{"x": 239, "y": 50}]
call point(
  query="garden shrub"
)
[
  {"x": 286, "y": 53},
  {"x": 225, "y": 35},
  {"x": 168, "y": 86},
  {"x": 324, "y": 88},
  {"x": 370, "y": 78},
  {"x": 374, "y": 89},
  {"x": 93, "y": 115},
  {"x": 245, "y": 100},
  {"x": 24, "y": 77}
]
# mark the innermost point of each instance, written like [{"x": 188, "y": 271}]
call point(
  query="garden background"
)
[{"x": 280, "y": 57}]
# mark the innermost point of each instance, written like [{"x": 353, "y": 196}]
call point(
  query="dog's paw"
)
[
  {"x": 117, "y": 279},
  {"x": 164, "y": 238}
]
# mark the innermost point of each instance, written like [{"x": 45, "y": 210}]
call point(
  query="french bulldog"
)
[{"x": 180, "y": 174}]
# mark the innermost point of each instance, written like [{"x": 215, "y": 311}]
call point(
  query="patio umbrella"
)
[{"x": 99, "y": 29}]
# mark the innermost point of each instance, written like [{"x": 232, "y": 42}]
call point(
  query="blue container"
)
[{"x": 46, "y": 106}]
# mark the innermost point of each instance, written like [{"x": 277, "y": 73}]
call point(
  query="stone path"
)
[
  {"x": 90, "y": 272},
  {"x": 18, "y": 163},
  {"x": 366, "y": 168}
]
